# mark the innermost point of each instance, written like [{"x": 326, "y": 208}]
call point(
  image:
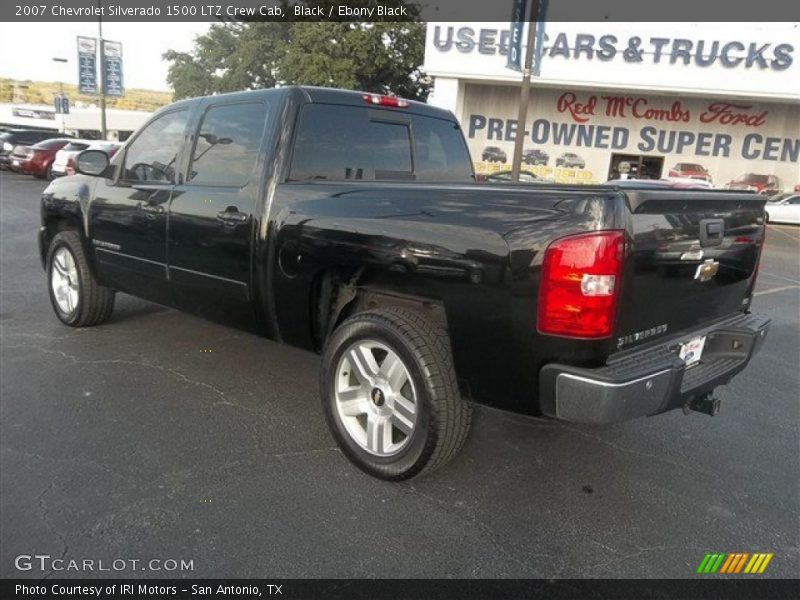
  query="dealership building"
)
[
  {"x": 81, "y": 122},
  {"x": 712, "y": 101}
]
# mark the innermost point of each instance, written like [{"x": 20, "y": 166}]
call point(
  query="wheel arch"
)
[
  {"x": 53, "y": 224},
  {"x": 339, "y": 292}
]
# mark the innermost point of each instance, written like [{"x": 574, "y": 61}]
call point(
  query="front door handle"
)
[{"x": 232, "y": 215}]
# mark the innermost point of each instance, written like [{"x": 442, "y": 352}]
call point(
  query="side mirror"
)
[{"x": 92, "y": 162}]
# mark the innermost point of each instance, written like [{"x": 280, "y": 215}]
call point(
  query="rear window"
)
[
  {"x": 335, "y": 143},
  {"x": 75, "y": 147}
]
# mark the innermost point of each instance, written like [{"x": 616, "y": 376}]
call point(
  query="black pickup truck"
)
[{"x": 351, "y": 224}]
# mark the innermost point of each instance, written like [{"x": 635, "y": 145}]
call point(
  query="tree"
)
[{"x": 376, "y": 57}]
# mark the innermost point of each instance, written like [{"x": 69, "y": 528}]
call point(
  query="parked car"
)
[
  {"x": 769, "y": 185},
  {"x": 689, "y": 181},
  {"x": 37, "y": 160},
  {"x": 22, "y": 137},
  {"x": 416, "y": 284},
  {"x": 494, "y": 154},
  {"x": 570, "y": 160},
  {"x": 784, "y": 210},
  {"x": 504, "y": 176},
  {"x": 534, "y": 156},
  {"x": 690, "y": 171},
  {"x": 683, "y": 184},
  {"x": 64, "y": 163}
]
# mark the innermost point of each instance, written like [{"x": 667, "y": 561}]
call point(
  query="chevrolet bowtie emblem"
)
[{"x": 707, "y": 270}]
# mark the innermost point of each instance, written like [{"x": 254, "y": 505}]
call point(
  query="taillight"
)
[
  {"x": 581, "y": 277},
  {"x": 381, "y": 100}
]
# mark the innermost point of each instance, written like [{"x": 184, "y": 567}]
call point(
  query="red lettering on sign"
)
[
  {"x": 673, "y": 113},
  {"x": 567, "y": 102},
  {"x": 726, "y": 113}
]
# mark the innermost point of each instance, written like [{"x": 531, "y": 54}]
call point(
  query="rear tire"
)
[
  {"x": 77, "y": 298},
  {"x": 390, "y": 395}
]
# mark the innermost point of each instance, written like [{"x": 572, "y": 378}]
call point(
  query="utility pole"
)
[
  {"x": 61, "y": 92},
  {"x": 522, "y": 115},
  {"x": 103, "y": 131}
]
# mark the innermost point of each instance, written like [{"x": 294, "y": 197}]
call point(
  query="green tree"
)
[{"x": 377, "y": 57}]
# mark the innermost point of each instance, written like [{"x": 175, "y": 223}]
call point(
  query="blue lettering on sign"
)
[
  {"x": 587, "y": 46},
  {"x": 651, "y": 139}
]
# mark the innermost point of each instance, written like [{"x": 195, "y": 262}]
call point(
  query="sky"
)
[{"x": 35, "y": 44}]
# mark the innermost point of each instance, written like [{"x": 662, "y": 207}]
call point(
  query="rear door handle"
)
[
  {"x": 232, "y": 216},
  {"x": 151, "y": 208}
]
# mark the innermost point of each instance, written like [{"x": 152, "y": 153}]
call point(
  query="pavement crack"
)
[
  {"x": 120, "y": 361},
  {"x": 631, "y": 451},
  {"x": 49, "y": 524},
  {"x": 73, "y": 460},
  {"x": 639, "y": 551},
  {"x": 464, "y": 510}
]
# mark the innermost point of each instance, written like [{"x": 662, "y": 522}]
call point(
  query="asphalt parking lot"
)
[{"x": 159, "y": 435}]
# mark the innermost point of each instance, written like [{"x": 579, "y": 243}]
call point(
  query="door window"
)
[
  {"x": 227, "y": 144},
  {"x": 152, "y": 156}
]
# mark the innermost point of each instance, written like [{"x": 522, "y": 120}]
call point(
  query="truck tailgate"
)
[{"x": 693, "y": 259}]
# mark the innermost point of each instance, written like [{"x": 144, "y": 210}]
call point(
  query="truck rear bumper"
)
[{"x": 652, "y": 380}]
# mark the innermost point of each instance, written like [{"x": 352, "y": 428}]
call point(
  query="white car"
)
[
  {"x": 63, "y": 164},
  {"x": 693, "y": 181},
  {"x": 785, "y": 210}
]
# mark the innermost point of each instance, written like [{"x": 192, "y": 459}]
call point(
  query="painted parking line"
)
[
  {"x": 776, "y": 276},
  {"x": 791, "y": 232},
  {"x": 777, "y": 289}
]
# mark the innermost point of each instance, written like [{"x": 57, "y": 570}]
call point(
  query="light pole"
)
[{"x": 63, "y": 61}]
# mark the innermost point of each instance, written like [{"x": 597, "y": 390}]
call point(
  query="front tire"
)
[
  {"x": 77, "y": 298},
  {"x": 390, "y": 395}
]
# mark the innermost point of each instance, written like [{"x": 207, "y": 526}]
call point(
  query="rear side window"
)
[
  {"x": 227, "y": 144},
  {"x": 335, "y": 143},
  {"x": 50, "y": 144},
  {"x": 75, "y": 147}
]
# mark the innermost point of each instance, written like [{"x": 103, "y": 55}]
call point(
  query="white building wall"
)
[{"x": 679, "y": 75}]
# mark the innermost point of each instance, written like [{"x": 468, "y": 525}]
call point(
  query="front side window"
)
[
  {"x": 227, "y": 144},
  {"x": 151, "y": 157}
]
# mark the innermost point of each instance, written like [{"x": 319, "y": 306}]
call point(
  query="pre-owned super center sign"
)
[
  {"x": 577, "y": 130},
  {"x": 727, "y": 138}
]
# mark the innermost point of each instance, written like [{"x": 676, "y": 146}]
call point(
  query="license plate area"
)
[{"x": 691, "y": 352}]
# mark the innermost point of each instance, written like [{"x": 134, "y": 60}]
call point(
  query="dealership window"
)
[
  {"x": 151, "y": 156},
  {"x": 227, "y": 144}
]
